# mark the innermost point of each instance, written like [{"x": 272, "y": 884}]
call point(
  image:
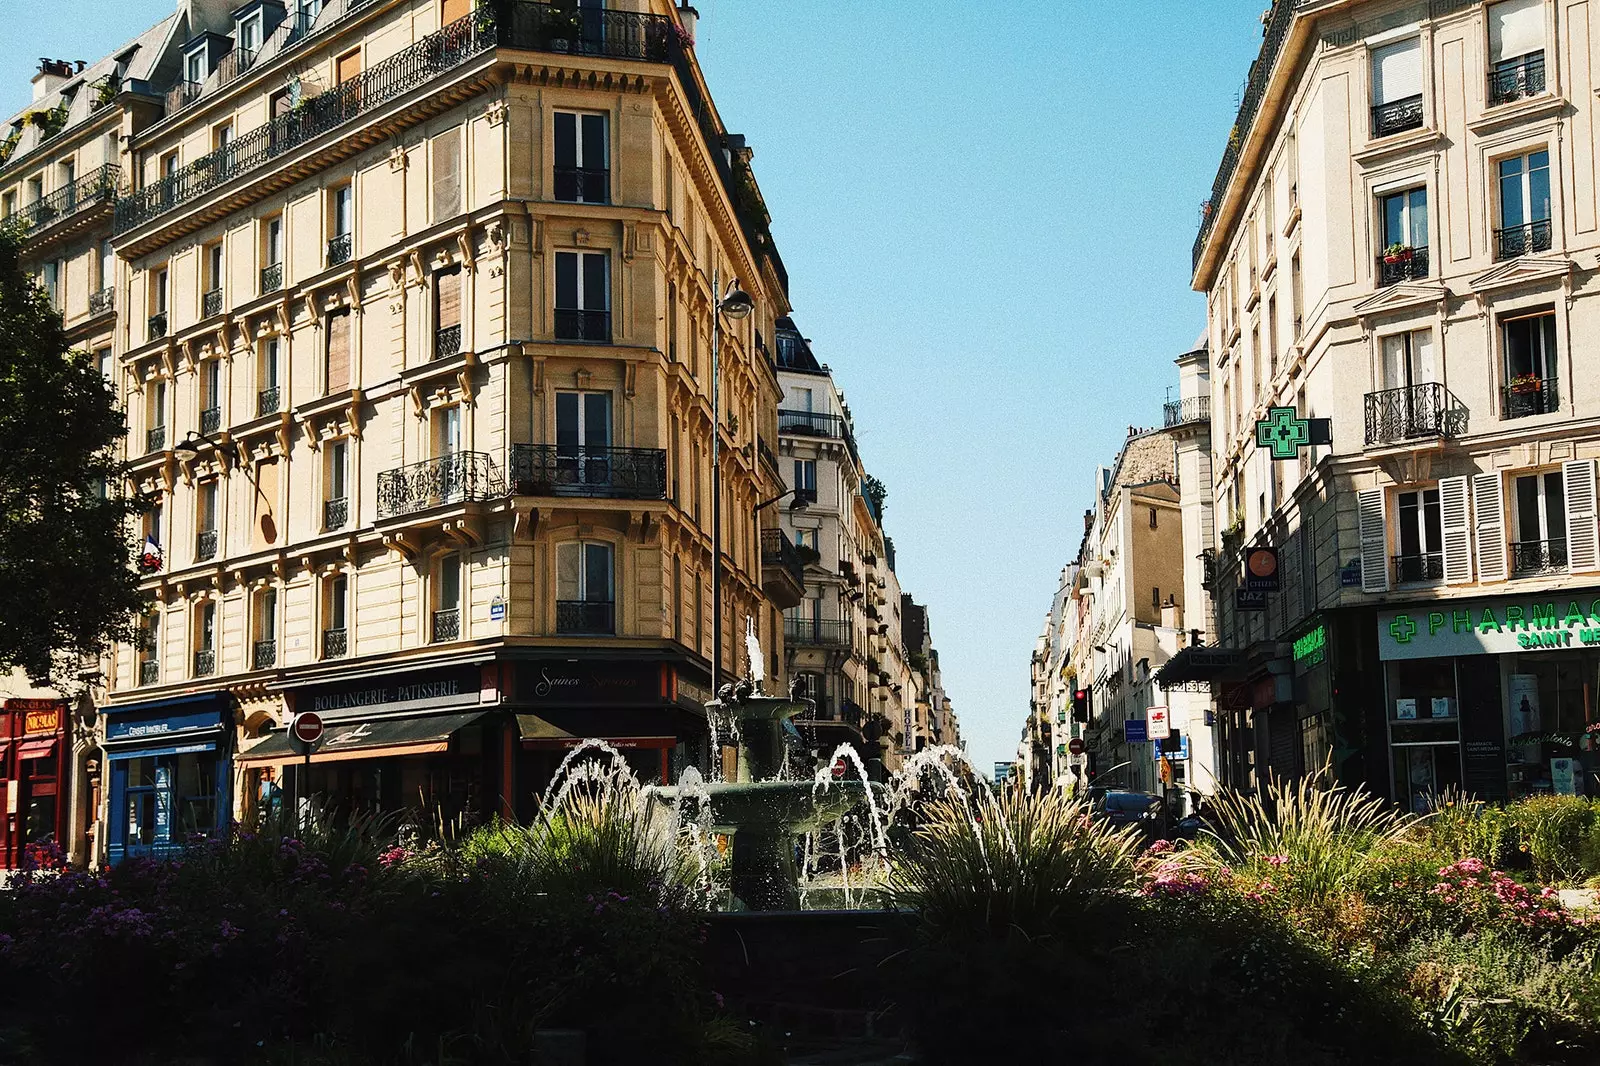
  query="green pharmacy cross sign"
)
[{"x": 1285, "y": 433}]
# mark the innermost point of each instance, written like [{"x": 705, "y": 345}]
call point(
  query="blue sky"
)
[{"x": 986, "y": 210}]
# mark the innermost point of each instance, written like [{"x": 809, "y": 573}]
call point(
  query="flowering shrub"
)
[{"x": 1480, "y": 897}]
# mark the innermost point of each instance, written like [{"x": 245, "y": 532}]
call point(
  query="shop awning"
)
[
  {"x": 377, "y": 739},
  {"x": 621, "y": 728},
  {"x": 1198, "y": 664},
  {"x": 42, "y": 748}
]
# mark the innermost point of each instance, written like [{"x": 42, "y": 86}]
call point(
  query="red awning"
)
[{"x": 37, "y": 749}]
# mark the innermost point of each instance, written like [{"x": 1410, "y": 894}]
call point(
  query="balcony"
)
[
  {"x": 1528, "y": 396},
  {"x": 339, "y": 249},
  {"x": 267, "y": 402},
  {"x": 271, "y": 278},
  {"x": 211, "y": 303},
  {"x": 603, "y": 473},
  {"x": 1397, "y": 116},
  {"x": 583, "y": 185},
  {"x": 811, "y": 424},
  {"x": 817, "y": 632},
  {"x": 1529, "y": 558},
  {"x": 335, "y": 513},
  {"x": 596, "y": 617},
  {"x": 155, "y": 326},
  {"x": 575, "y": 325},
  {"x": 806, "y": 496},
  {"x": 1413, "y": 412},
  {"x": 447, "y": 342},
  {"x": 1515, "y": 79},
  {"x": 335, "y": 643},
  {"x": 1410, "y": 264},
  {"x": 447, "y": 624},
  {"x": 458, "y": 478},
  {"x": 768, "y": 456},
  {"x": 205, "y": 545},
  {"x": 102, "y": 300},
  {"x": 205, "y": 662},
  {"x": 155, "y": 439},
  {"x": 1183, "y": 412},
  {"x": 210, "y": 420},
  {"x": 181, "y": 95},
  {"x": 1526, "y": 239},
  {"x": 783, "y": 575},
  {"x": 149, "y": 671},
  {"x": 264, "y": 654},
  {"x": 1419, "y": 569},
  {"x": 97, "y": 187}
]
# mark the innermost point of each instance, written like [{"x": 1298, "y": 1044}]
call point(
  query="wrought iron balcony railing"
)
[
  {"x": 1409, "y": 265},
  {"x": 96, "y": 187},
  {"x": 610, "y": 473},
  {"x": 1413, "y": 411},
  {"x": 267, "y": 401},
  {"x": 271, "y": 278},
  {"x": 1526, "y": 239},
  {"x": 156, "y": 326},
  {"x": 586, "y": 616},
  {"x": 1182, "y": 412},
  {"x": 810, "y": 424},
  {"x": 205, "y": 545},
  {"x": 1397, "y": 116},
  {"x": 1416, "y": 569},
  {"x": 1529, "y": 557},
  {"x": 765, "y": 451},
  {"x": 1526, "y": 397},
  {"x": 583, "y": 185},
  {"x": 402, "y": 72},
  {"x": 264, "y": 654},
  {"x": 339, "y": 249},
  {"x": 447, "y": 624},
  {"x": 205, "y": 662},
  {"x": 777, "y": 551},
  {"x": 211, "y": 303},
  {"x": 335, "y": 643},
  {"x": 210, "y": 420},
  {"x": 586, "y": 31},
  {"x": 448, "y": 479},
  {"x": 447, "y": 342},
  {"x": 828, "y": 632},
  {"x": 575, "y": 325},
  {"x": 102, "y": 300},
  {"x": 335, "y": 513},
  {"x": 806, "y": 496},
  {"x": 1514, "y": 79},
  {"x": 149, "y": 671},
  {"x": 155, "y": 438}
]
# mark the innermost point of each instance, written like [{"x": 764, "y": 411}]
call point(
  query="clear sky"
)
[{"x": 986, "y": 210}]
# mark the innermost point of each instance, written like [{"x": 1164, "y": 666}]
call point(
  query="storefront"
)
[
  {"x": 34, "y": 775},
  {"x": 1492, "y": 695},
  {"x": 170, "y": 763}
]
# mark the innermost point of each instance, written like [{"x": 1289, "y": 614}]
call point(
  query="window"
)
[
  {"x": 169, "y": 798},
  {"x": 1296, "y": 295},
  {"x": 672, "y": 322},
  {"x": 264, "y": 649},
  {"x": 447, "y": 431},
  {"x": 155, "y": 417},
  {"x": 583, "y": 438},
  {"x": 1407, "y": 359},
  {"x": 447, "y": 313},
  {"x": 453, "y": 11},
  {"x": 446, "y": 175},
  {"x": 205, "y": 639},
  {"x": 211, "y": 301},
  {"x": 1420, "y": 539},
  {"x": 156, "y": 328},
  {"x": 105, "y": 272},
  {"x": 107, "y": 364},
  {"x": 206, "y": 522},
  {"x": 210, "y": 396},
  {"x": 1516, "y": 50},
  {"x": 248, "y": 38},
  {"x": 337, "y": 364},
  {"x": 194, "y": 67},
  {"x": 1540, "y": 517},
  {"x": 805, "y": 480},
  {"x": 335, "y": 635},
  {"x": 1272, "y": 338},
  {"x": 1155, "y": 518},
  {"x": 447, "y": 599},
  {"x": 150, "y": 650},
  {"x": 585, "y": 594},
  {"x": 1155, "y": 596},
  {"x": 8, "y": 205},
  {"x": 1529, "y": 349},
  {"x": 336, "y": 502},
  {"x": 1397, "y": 87},
  {"x": 347, "y": 67},
  {"x": 221, "y": 136},
  {"x": 50, "y": 281},
  {"x": 583, "y": 296},
  {"x": 272, "y": 254},
  {"x": 1524, "y": 205},
  {"x": 267, "y": 398},
  {"x": 1405, "y": 236},
  {"x": 340, "y": 219},
  {"x": 582, "y": 173}
]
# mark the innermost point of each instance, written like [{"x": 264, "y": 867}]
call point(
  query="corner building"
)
[
  {"x": 415, "y": 333},
  {"x": 1402, "y": 239}
]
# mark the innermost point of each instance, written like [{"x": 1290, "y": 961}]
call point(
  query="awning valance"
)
[
  {"x": 617, "y": 728},
  {"x": 37, "y": 749},
  {"x": 376, "y": 739},
  {"x": 1198, "y": 663}
]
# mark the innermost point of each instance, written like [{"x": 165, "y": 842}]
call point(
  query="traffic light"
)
[{"x": 1080, "y": 705}]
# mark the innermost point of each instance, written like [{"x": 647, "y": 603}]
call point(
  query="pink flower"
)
[{"x": 1277, "y": 860}]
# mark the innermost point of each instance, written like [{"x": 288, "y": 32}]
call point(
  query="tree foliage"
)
[{"x": 67, "y": 588}]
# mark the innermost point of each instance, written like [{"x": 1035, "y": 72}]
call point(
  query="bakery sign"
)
[
  {"x": 399, "y": 693},
  {"x": 1489, "y": 627}
]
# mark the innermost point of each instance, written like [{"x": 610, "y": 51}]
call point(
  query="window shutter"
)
[
  {"x": 338, "y": 329},
  {"x": 1583, "y": 537},
  {"x": 447, "y": 290},
  {"x": 1516, "y": 28},
  {"x": 1489, "y": 509},
  {"x": 446, "y": 176},
  {"x": 1455, "y": 513},
  {"x": 1374, "y": 528},
  {"x": 569, "y": 566},
  {"x": 1397, "y": 71}
]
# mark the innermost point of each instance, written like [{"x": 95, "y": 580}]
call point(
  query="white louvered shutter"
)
[
  {"x": 1371, "y": 512},
  {"x": 1397, "y": 71},
  {"x": 1455, "y": 513},
  {"x": 1583, "y": 537},
  {"x": 1489, "y": 509}
]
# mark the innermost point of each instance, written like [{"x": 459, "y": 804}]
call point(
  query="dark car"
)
[{"x": 1130, "y": 808}]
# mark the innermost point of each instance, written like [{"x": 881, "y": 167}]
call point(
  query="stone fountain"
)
[{"x": 763, "y": 813}]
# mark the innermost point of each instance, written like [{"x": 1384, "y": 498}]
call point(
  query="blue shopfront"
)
[{"x": 170, "y": 766}]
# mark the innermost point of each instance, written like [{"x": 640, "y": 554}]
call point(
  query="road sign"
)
[
  {"x": 1261, "y": 569},
  {"x": 1133, "y": 731},
  {"x": 1157, "y": 724},
  {"x": 1075, "y": 745},
  {"x": 306, "y": 728}
]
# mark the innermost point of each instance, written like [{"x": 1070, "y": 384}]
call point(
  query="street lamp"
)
[
  {"x": 736, "y": 304},
  {"x": 800, "y": 502},
  {"x": 189, "y": 446}
]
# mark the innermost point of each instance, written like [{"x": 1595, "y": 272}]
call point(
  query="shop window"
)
[
  {"x": 1424, "y": 730},
  {"x": 169, "y": 798}
]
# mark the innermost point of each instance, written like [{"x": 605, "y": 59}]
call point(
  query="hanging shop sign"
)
[
  {"x": 1284, "y": 432},
  {"x": 1491, "y": 627},
  {"x": 1246, "y": 600},
  {"x": 1311, "y": 647},
  {"x": 1261, "y": 569}
]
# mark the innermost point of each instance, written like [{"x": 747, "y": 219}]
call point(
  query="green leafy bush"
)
[{"x": 1552, "y": 831}]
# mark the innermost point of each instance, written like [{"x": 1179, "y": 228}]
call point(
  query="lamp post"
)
[
  {"x": 736, "y": 304},
  {"x": 189, "y": 446}
]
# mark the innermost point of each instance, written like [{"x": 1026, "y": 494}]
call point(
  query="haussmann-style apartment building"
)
[{"x": 1402, "y": 238}]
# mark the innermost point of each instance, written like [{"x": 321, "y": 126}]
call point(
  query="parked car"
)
[{"x": 1130, "y": 808}]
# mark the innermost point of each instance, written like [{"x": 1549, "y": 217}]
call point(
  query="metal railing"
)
[
  {"x": 102, "y": 300},
  {"x": 1397, "y": 116},
  {"x": 1412, "y": 411},
  {"x": 211, "y": 303},
  {"x": 447, "y": 342},
  {"x": 1530, "y": 237},
  {"x": 335, "y": 643},
  {"x": 434, "y": 482},
  {"x": 1405, "y": 266},
  {"x": 614, "y": 473},
  {"x": 807, "y": 496},
  {"x": 205, "y": 545},
  {"x": 1530, "y": 557},
  {"x": 155, "y": 438},
  {"x": 149, "y": 671},
  {"x": 96, "y": 187},
  {"x": 339, "y": 249},
  {"x": 264, "y": 654},
  {"x": 1523, "y": 399},
  {"x": 205, "y": 662},
  {"x": 407, "y": 69},
  {"x": 1415, "y": 569},
  {"x": 1514, "y": 79},
  {"x": 583, "y": 185},
  {"x": 155, "y": 326},
  {"x": 829, "y": 632},
  {"x": 267, "y": 401},
  {"x": 335, "y": 512},
  {"x": 586, "y": 616},
  {"x": 271, "y": 278},
  {"x": 210, "y": 420},
  {"x": 575, "y": 325},
  {"x": 587, "y": 31},
  {"x": 810, "y": 423},
  {"x": 765, "y": 451},
  {"x": 1182, "y": 412},
  {"x": 777, "y": 551},
  {"x": 447, "y": 624}
]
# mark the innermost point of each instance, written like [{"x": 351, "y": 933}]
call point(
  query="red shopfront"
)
[{"x": 33, "y": 776}]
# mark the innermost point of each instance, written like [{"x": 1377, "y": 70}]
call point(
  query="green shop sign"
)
[
  {"x": 1312, "y": 647},
  {"x": 1489, "y": 627}
]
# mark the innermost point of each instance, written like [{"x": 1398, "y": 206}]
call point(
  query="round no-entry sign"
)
[
  {"x": 1075, "y": 745},
  {"x": 839, "y": 768},
  {"x": 306, "y": 727}
]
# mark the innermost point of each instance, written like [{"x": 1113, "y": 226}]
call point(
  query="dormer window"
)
[
  {"x": 194, "y": 66},
  {"x": 248, "y": 37}
]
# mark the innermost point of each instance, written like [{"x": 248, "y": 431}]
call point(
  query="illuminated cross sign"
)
[{"x": 1284, "y": 433}]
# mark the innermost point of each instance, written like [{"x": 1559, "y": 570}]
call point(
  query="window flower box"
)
[
  {"x": 1524, "y": 383},
  {"x": 1398, "y": 253}
]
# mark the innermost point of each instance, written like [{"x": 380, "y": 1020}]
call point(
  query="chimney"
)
[
  {"x": 53, "y": 73},
  {"x": 1171, "y": 614}
]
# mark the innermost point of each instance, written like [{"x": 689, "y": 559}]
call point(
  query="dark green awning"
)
[{"x": 367, "y": 739}]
